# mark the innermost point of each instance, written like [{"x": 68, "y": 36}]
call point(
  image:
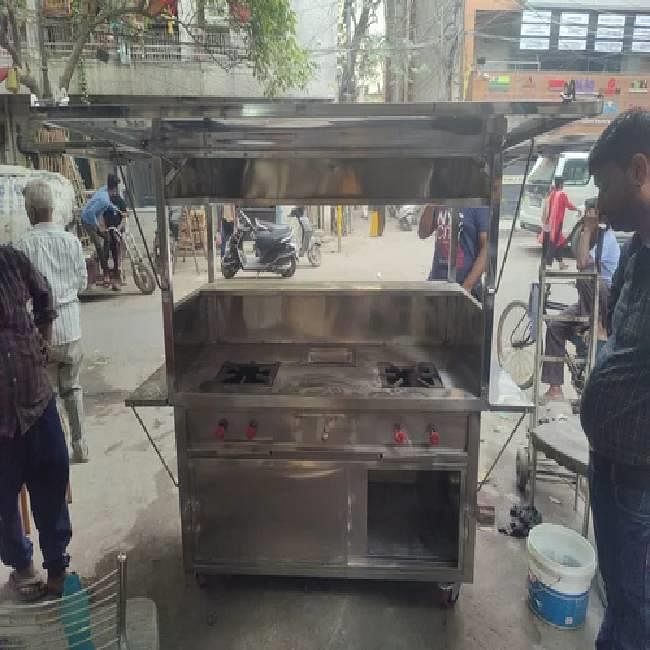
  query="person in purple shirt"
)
[
  {"x": 33, "y": 450},
  {"x": 471, "y": 253},
  {"x": 92, "y": 219}
]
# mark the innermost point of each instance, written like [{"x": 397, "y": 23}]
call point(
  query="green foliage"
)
[{"x": 277, "y": 57}]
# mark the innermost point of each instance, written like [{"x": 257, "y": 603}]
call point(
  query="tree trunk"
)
[
  {"x": 29, "y": 81},
  {"x": 45, "y": 77},
  {"x": 75, "y": 55}
]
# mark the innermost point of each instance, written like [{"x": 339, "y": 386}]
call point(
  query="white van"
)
[{"x": 573, "y": 167}]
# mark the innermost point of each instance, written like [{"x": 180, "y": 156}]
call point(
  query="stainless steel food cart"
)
[{"x": 324, "y": 429}]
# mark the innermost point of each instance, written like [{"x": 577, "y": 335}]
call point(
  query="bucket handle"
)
[{"x": 550, "y": 572}]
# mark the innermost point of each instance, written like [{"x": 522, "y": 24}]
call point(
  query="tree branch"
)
[
  {"x": 10, "y": 41},
  {"x": 9, "y": 35},
  {"x": 87, "y": 28}
]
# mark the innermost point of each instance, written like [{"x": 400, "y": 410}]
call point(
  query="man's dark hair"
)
[
  {"x": 625, "y": 136},
  {"x": 559, "y": 182},
  {"x": 112, "y": 182}
]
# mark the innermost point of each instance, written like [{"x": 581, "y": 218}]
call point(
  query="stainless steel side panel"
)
[
  {"x": 286, "y": 514},
  {"x": 265, "y": 511}
]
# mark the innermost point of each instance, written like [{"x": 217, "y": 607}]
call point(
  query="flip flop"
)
[{"x": 28, "y": 589}]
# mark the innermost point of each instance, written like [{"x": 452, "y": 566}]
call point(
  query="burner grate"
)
[
  {"x": 242, "y": 374},
  {"x": 421, "y": 375}
]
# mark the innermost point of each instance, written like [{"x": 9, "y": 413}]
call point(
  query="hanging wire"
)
[
  {"x": 516, "y": 216},
  {"x": 129, "y": 195}
]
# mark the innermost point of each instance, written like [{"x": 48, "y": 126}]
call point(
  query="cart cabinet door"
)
[{"x": 261, "y": 510}]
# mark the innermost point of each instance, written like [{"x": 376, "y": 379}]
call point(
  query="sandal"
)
[{"x": 28, "y": 588}]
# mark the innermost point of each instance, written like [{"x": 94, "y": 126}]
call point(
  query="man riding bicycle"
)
[{"x": 597, "y": 248}]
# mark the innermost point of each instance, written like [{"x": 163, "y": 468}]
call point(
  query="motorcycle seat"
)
[
  {"x": 271, "y": 227},
  {"x": 268, "y": 236}
]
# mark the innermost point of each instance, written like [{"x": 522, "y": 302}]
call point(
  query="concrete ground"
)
[{"x": 124, "y": 500}]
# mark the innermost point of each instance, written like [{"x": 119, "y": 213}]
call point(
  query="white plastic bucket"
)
[{"x": 561, "y": 566}]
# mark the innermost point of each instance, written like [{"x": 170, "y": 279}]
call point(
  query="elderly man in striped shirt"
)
[{"x": 58, "y": 256}]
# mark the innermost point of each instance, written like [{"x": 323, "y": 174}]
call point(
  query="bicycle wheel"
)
[{"x": 515, "y": 344}]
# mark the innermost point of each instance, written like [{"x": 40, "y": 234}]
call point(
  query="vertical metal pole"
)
[
  {"x": 595, "y": 325},
  {"x": 167, "y": 290},
  {"x": 211, "y": 213},
  {"x": 453, "y": 245},
  {"x": 585, "y": 521},
  {"x": 539, "y": 351},
  {"x": 121, "y": 604},
  {"x": 489, "y": 292}
]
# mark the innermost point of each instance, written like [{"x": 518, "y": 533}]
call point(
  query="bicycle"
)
[
  {"x": 516, "y": 338},
  {"x": 142, "y": 275}
]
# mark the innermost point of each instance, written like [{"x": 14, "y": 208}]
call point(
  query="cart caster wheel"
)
[
  {"x": 522, "y": 469},
  {"x": 201, "y": 580},
  {"x": 447, "y": 594}
]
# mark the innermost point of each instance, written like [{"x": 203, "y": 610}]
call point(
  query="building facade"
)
[
  {"x": 512, "y": 53},
  {"x": 189, "y": 48}
]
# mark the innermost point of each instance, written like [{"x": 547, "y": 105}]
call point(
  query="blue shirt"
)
[
  {"x": 609, "y": 256},
  {"x": 473, "y": 222},
  {"x": 98, "y": 203}
]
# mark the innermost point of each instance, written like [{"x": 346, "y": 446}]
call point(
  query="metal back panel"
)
[{"x": 426, "y": 313}]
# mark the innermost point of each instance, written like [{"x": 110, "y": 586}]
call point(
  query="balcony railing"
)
[{"x": 187, "y": 45}]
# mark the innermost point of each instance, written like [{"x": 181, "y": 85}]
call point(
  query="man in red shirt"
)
[{"x": 558, "y": 203}]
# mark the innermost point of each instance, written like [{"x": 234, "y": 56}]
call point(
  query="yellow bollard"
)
[
  {"x": 373, "y": 220},
  {"x": 339, "y": 225},
  {"x": 12, "y": 82}
]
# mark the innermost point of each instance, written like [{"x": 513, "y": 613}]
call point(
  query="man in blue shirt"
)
[
  {"x": 615, "y": 405},
  {"x": 471, "y": 253},
  {"x": 92, "y": 219},
  {"x": 597, "y": 248}
]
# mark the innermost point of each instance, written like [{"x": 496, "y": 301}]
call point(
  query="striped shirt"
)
[{"x": 58, "y": 256}]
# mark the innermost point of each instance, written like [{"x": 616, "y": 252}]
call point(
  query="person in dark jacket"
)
[{"x": 615, "y": 405}]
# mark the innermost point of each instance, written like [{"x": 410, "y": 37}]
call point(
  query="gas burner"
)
[
  {"x": 422, "y": 375},
  {"x": 242, "y": 374}
]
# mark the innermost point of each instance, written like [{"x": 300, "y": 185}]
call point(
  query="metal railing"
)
[
  {"x": 186, "y": 45},
  {"x": 95, "y": 614}
]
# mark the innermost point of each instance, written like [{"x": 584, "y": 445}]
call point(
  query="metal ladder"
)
[{"x": 546, "y": 279}]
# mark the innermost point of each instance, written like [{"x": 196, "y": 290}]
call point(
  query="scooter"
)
[
  {"x": 310, "y": 242},
  {"x": 274, "y": 247}
]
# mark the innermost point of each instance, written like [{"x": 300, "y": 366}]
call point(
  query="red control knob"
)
[
  {"x": 400, "y": 436},
  {"x": 220, "y": 431},
  {"x": 251, "y": 430},
  {"x": 434, "y": 437}
]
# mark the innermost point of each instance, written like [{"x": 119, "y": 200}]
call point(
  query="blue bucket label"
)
[{"x": 562, "y": 610}]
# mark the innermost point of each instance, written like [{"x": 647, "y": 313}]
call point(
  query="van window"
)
[
  {"x": 576, "y": 171},
  {"x": 543, "y": 171}
]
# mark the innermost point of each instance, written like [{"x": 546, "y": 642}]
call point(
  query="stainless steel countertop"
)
[{"x": 296, "y": 377}]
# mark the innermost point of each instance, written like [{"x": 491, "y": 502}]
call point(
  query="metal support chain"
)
[
  {"x": 485, "y": 479},
  {"x": 155, "y": 447}
]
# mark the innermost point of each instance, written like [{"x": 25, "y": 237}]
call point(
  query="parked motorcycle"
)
[
  {"x": 310, "y": 242},
  {"x": 274, "y": 247}
]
